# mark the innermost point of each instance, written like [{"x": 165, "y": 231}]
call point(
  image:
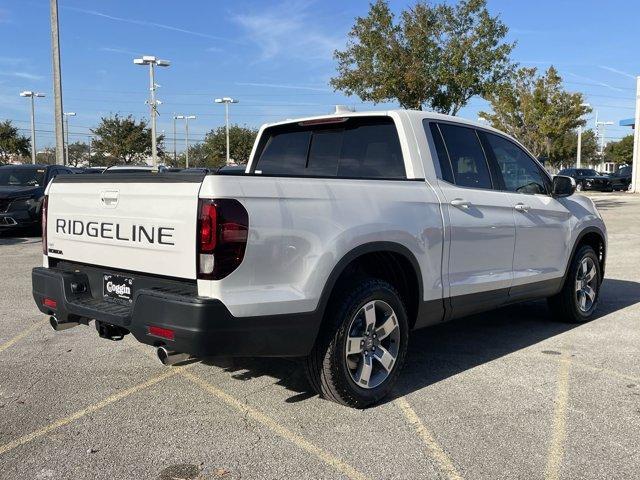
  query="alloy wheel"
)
[
  {"x": 586, "y": 284},
  {"x": 372, "y": 344}
]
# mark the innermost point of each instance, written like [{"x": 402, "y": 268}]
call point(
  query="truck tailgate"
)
[{"x": 137, "y": 222}]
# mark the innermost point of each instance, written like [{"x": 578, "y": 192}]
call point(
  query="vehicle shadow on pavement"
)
[
  {"x": 445, "y": 350},
  {"x": 608, "y": 204},
  {"x": 18, "y": 237}
]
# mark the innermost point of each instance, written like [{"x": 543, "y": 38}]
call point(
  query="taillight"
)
[
  {"x": 50, "y": 303},
  {"x": 222, "y": 237},
  {"x": 45, "y": 205},
  {"x": 165, "y": 333}
]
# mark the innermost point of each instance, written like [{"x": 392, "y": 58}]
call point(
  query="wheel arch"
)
[
  {"x": 390, "y": 261},
  {"x": 594, "y": 237}
]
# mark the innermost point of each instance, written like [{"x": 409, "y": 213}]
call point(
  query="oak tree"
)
[{"x": 436, "y": 55}]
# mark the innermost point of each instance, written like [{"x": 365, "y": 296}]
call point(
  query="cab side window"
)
[
  {"x": 441, "y": 151},
  {"x": 519, "y": 171}
]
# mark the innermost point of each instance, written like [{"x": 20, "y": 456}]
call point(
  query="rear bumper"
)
[{"x": 202, "y": 326}]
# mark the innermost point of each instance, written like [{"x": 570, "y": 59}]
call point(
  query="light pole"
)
[
  {"x": 33, "y": 96},
  {"x": 226, "y": 101},
  {"x": 579, "y": 152},
  {"x": 175, "y": 151},
  {"x": 186, "y": 119},
  {"x": 604, "y": 124},
  {"x": 635, "y": 168},
  {"x": 153, "y": 103},
  {"x": 66, "y": 132}
]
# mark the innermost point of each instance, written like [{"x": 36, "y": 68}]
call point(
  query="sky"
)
[{"x": 274, "y": 56}]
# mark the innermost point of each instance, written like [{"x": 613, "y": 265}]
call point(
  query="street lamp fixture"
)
[
  {"x": 33, "y": 96},
  {"x": 227, "y": 101},
  {"x": 152, "y": 62}
]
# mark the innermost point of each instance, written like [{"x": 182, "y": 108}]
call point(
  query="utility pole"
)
[
  {"x": 227, "y": 101},
  {"x": 66, "y": 131},
  {"x": 635, "y": 170},
  {"x": 186, "y": 119},
  {"x": 33, "y": 96},
  {"x": 57, "y": 83},
  {"x": 153, "y": 103}
]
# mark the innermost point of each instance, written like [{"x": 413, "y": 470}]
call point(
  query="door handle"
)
[
  {"x": 521, "y": 207},
  {"x": 459, "y": 202}
]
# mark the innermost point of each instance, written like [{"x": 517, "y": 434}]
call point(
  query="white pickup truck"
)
[{"x": 344, "y": 233}]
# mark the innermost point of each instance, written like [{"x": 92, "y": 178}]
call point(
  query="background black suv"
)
[
  {"x": 21, "y": 193},
  {"x": 621, "y": 179},
  {"x": 588, "y": 179}
]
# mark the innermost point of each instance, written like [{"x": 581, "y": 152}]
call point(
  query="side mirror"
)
[{"x": 563, "y": 186}]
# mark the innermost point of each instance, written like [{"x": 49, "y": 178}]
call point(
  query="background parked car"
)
[
  {"x": 588, "y": 179},
  {"x": 621, "y": 179},
  {"x": 22, "y": 191}
]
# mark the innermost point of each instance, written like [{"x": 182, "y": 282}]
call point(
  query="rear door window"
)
[
  {"x": 356, "y": 147},
  {"x": 467, "y": 158}
]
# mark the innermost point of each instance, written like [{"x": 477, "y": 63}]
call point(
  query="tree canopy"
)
[
  {"x": 78, "y": 154},
  {"x": 620, "y": 152},
  {"x": 11, "y": 142},
  {"x": 536, "y": 110},
  {"x": 212, "y": 153},
  {"x": 564, "y": 149},
  {"x": 123, "y": 140},
  {"x": 438, "y": 56}
]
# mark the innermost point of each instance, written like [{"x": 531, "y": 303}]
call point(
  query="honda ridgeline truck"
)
[{"x": 345, "y": 233}]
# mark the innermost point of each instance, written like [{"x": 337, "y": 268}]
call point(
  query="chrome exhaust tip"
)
[
  {"x": 169, "y": 357},
  {"x": 58, "y": 326}
]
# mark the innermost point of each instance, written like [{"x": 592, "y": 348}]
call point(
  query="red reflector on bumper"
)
[
  {"x": 49, "y": 302},
  {"x": 162, "y": 332}
]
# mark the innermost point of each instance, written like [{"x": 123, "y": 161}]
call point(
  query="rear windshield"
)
[
  {"x": 21, "y": 177},
  {"x": 360, "y": 147}
]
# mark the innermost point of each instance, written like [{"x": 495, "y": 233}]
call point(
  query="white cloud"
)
[
  {"x": 285, "y": 86},
  {"x": 615, "y": 70},
  {"x": 119, "y": 50},
  {"x": 288, "y": 30},
  {"x": 597, "y": 82},
  {"x": 146, "y": 23},
  {"x": 23, "y": 75}
]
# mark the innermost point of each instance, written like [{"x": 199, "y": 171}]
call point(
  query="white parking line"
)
[
  {"x": 558, "y": 440},
  {"x": 20, "y": 336},
  {"x": 87, "y": 410}
]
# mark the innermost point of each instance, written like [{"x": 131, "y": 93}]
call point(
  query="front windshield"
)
[
  {"x": 21, "y": 177},
  {"x": 587, "y": 173}
]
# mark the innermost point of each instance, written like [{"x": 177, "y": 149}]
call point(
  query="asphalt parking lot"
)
[{"x": 507, "y": 394}]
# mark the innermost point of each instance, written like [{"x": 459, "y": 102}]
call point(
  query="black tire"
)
[
  {"x": 565, "y": 306},
  {"x": 327, "y": 366}
]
